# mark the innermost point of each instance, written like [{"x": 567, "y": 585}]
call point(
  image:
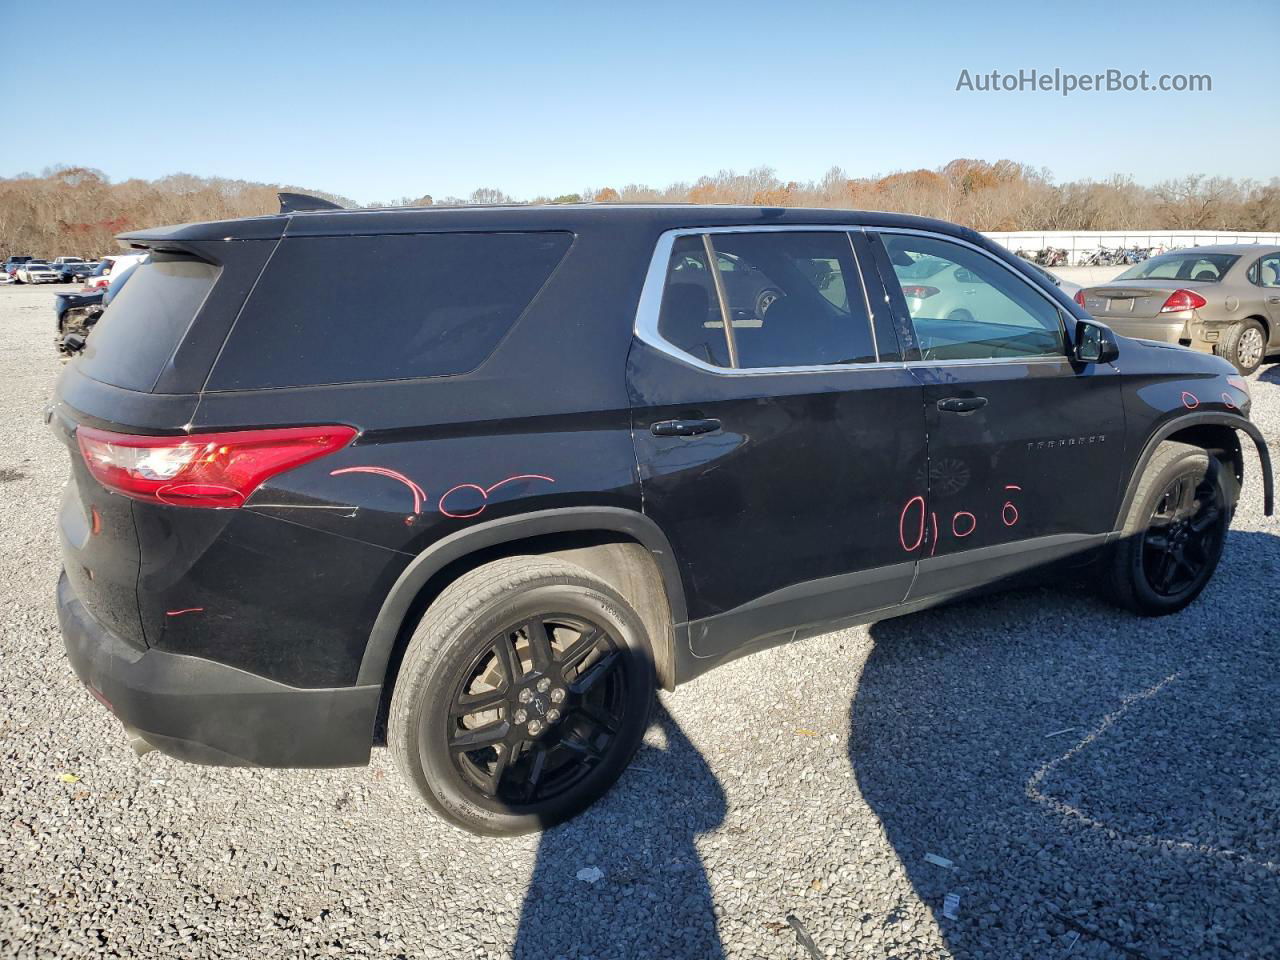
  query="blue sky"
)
[{"x": 377, "y": 101}]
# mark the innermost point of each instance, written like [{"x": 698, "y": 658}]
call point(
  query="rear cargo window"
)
[
  {"x": 345, "y": 309},
  {"x": 146, "y": 321}
]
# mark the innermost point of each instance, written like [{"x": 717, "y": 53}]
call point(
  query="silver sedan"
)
[{"x": 1220, "y": 299}]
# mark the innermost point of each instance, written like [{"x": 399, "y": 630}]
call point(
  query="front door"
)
[
  {"x": 776, "y": 432},
  {"x": 1025, "y": 444}
]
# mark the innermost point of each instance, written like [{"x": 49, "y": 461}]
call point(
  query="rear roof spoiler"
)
[{"x": 299, "y": 202}]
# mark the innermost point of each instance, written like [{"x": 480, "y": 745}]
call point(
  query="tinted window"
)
[
  {"x": 146, "y": 321},
  {"x": 965, "y": 306},
  {"x": 788, "y": 299},
  {"x": 344, "y": 309}
]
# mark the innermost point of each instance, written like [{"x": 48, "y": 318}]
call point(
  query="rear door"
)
[
  {"x": 1025, "y": 443},
  {"x": 1269, "y": 279},
  {"x": 777, "y": 453}
]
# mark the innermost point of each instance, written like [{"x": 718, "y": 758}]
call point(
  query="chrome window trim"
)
[{"x": 650, "y": 305}]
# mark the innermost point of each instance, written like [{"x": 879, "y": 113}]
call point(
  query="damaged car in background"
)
[
  {"x": 78, "y": 313},
  {"x": 1221, "y": 299}
]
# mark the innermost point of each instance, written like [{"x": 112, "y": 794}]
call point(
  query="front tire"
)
[
  {"x": 1175, "y": 531},
  {"x": 1245, "y": 345},
  {"x": 523, "y": 694}
]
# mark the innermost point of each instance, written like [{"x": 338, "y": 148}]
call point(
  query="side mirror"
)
[{"x": 1095, "y": 343}]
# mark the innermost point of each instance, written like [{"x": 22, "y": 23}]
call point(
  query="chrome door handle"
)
[{"x": 961, "y": 404}]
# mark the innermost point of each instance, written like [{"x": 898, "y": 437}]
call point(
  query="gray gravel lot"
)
[{"x": 1104, "y": 787}]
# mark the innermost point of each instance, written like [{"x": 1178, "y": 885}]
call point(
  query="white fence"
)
[{"x": 1080, "y": 246}]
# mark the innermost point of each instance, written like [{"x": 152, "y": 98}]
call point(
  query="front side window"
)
[
  {"x": 965, "y": 306},
  {"x": 788, "y": 297}
]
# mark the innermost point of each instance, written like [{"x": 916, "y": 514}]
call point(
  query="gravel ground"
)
[{"x": 1102, "y": 786}]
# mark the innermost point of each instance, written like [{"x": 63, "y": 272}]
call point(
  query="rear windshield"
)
[
  {"x": 146, "y": 321},
  {"x": 344, "y": 309},
  {"x": 1182, "y": 266}
]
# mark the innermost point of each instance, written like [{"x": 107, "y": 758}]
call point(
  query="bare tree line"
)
[{"x": 77, "y": 210}]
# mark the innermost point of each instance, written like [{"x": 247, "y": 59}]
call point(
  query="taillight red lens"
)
[
  {"x": 203, "y": 469},
  {"x": 1080, "y": 296},
  {"x": 1181, "y": 300},
  {"x": 918, "y": 291}
]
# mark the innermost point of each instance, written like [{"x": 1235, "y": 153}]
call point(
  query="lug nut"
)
[
  {"x": 557, "y": 695},
  {"x": 525, "y": 695},
  {"x": 520, "y": 716},
  {"x": 535, "y": 727},
  {"x": 553, "y": 715},
  {"x": 544, "y": 685}
]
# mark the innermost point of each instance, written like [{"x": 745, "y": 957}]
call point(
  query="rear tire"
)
[
  {"x": 1175, "y": 531},
  {"x": 1245, "y": 345},
  {"x": 499, "y": 719}
]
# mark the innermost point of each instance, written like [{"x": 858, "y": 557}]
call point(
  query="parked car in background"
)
[
  {"x": 11, "y": 265},
  {"x": 76, "y": 270},
  {"x": 78, "y": 313},
  {"x": 36, "y": 271},
  {"x": 297, "y": 525},
  {"x": 62, "y": 261},
  {"x": 101, "y": 275},
  {"x": 1221, "y": 299}
]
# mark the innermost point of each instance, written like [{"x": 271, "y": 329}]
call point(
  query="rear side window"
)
[
  {"x": 788, "y": 296},
  {"x": 348, "y": 309},
  {"x": 147, "y": 319}
]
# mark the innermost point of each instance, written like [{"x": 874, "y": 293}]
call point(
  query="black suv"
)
[{"x": 478, "y": 509}]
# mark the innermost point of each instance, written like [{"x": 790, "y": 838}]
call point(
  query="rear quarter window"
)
[
  {"x": 147, "y": 319},
  {"x": 333, "y": 310}
]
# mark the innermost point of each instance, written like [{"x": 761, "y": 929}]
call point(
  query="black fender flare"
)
[
  {"x": 1235, "y": 421},
  {"x": 386, "y": 628}
]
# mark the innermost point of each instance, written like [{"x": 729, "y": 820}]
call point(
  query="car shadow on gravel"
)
[
  {"x": 652, "y": 898},
  {"x": 1101, "y": 783}
]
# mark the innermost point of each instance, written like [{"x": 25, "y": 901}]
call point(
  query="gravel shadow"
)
[
  {"x": 1102, "y": 783},
  {"x": 653, "y": 898}
]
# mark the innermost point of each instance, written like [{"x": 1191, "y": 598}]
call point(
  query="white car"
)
[
  {"x": 117, "y": 264},
  {"x": 37, "y": 271}
]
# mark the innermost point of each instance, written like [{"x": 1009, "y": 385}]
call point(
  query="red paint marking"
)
[
  {"x": 178, "y": 613},
  {"x": 465, "y": 486},
  {"x": 973, "y": 523},
  {"x": 418, "y": 494},
  {"x": 1190, "y": 400},
  {"x": 934, "y": 518},
  {"x": 902, "y": 520},
  {"x": 1226, "y": 398},
  {"x": 484, "y": 493},
  {"x": 1012, "y": 486},
  {"x": 1004, "y": 514}
]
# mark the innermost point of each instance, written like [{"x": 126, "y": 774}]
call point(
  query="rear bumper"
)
[
  {"x": 206, "y": 712},
  {"x": 1160, "y": 330}
]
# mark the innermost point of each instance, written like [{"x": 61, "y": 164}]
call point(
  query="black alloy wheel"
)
[
  {"x": 1184, "y": 535},
  {"x": 537, "y": 709}
]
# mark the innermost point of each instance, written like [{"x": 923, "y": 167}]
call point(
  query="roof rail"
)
[{"x": 298, "y": 202}]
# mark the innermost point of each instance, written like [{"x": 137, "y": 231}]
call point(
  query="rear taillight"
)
[
  {"x": 203, "y": 469},
  {"x": 1181, "y": 300},
  {"x": 1080, "y": 296},
  {"x": 918, "y": 291}
]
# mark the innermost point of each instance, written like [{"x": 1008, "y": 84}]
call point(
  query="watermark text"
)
[{"x": 1066, "y": 83}]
